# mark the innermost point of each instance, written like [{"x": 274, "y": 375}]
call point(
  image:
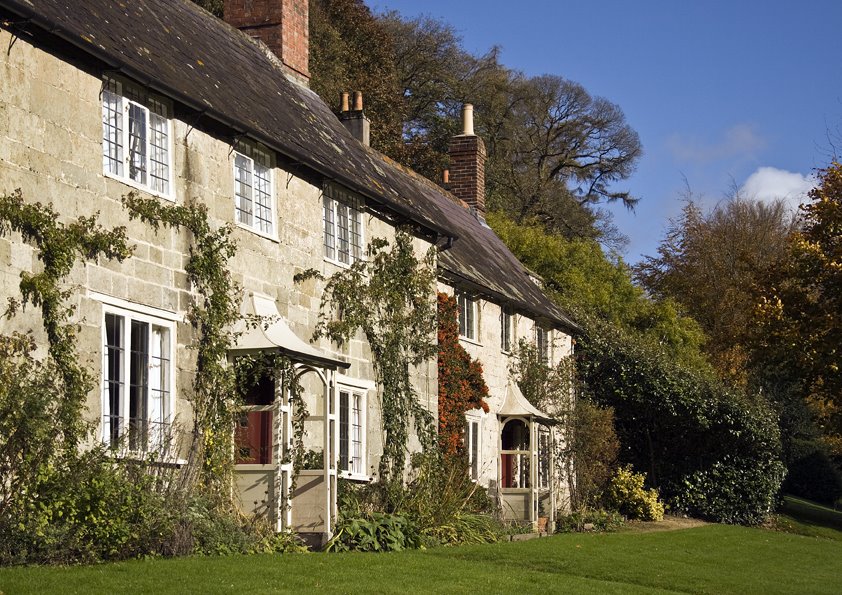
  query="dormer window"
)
[
  {"x": 343, "y": 229},
  {"x": 136, "y": 136}
]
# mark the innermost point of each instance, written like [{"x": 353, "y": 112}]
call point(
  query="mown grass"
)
[{"x": 708, "y": 559}]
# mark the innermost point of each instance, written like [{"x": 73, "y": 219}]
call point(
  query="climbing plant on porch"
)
[
  {"x": 389, "y": 297},
  {"x": 461, "y": 384}
]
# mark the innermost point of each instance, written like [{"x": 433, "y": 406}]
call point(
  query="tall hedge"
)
[{"x": 711, "y": 451}]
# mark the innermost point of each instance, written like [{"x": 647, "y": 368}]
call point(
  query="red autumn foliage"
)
[{"x": 461, "y": 385}]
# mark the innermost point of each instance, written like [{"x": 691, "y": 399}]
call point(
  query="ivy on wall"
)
[
  {"x": 58, "y": 247},
  {"x": 212, "y": 313},
  {"x": 388, "y": 297},
  {"x": 461, "y": 384}
]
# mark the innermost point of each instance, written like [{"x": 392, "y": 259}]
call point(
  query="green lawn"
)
[{"x": 708, "y": 559}]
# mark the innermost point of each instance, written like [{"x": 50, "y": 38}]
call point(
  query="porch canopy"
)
[
  {"x": 264, "y": 329},
  {"x": 272, "y": 333},
  {"x": 525, "y": 465},
  {"x": 516, "y": 405}
]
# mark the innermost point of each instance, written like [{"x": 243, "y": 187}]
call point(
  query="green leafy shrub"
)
[
  {"x": 379, "y": 532},
  {"x": 627, "y": 495},
  {"x": 440, "y": 500},
  {"x": 602, "y": 520},
  {"x": 711, "y": 451},
  {"x": 734, "y": 490}
]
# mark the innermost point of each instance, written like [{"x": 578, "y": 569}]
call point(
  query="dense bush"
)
[
  {"x": 627, "y": 495},
  {"x": 711, "y": 451},
  {"x": 62, "y": 505}
]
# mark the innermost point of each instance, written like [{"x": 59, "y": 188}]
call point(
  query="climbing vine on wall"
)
[
  {"x": 58, "y": 246},
  {"x": 212, "y": 313},
  {"x": 387, "y": 296},
  {"x": 461, "y": 384}
]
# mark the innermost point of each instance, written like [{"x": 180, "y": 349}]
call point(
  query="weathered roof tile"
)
[{"x": 177, "y": 48}]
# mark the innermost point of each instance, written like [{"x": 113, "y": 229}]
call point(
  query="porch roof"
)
[
  {"x": 274, "y": 334},
  {"x": 516, "y": 405}
]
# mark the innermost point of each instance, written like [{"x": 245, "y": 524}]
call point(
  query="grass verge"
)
[{"x": 708, "y": 559}]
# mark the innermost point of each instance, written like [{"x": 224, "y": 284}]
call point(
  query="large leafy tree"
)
[
  {"x": 712, "y": 451},
  {"x": 716, "y": 265},
  {"x": 802, "y": 311}
]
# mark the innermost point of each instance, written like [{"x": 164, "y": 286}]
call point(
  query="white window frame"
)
[
  {"x": 473, "y": 444},
  {"x": 356, "y": 467},
  {"x": 119, "y": 100},
  {"x": 545, "y": 456},
  {"x": 543, "y": 346},
  {"x": 121, "y": 435},
  {"x": 508, "y": 326},
  {"x": 254, "y": 183},
  {"x": 468, "y": 316},
  {"x": 342, "y": 245}
]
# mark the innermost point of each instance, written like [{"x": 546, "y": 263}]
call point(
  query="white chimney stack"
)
[{"x": 468, "y": 120}]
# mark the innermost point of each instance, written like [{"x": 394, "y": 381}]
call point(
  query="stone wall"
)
[
  {"x": 495, "y": 364},
  {"x": 51, "y": 148}
]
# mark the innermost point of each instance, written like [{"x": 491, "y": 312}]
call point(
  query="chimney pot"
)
[
  {"x": 344, "y": 103},
  {"x": 355, "y": 120},
  {"x": 468, "y": 120},
  {"x": 446, "y": 177},
  {"x": 467, "y": 163}
]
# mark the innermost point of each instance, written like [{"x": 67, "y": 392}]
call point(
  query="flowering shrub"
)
[
  {"x": 461, "y": 385},
  {"x": 627, "y": 495}
]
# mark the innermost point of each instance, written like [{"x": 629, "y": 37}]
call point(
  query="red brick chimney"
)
[
  {"x": 283, "y": 25},
  {"x": 467, "y": 163}
]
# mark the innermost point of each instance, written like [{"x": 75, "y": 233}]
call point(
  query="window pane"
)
[
  {"x": 505, "y": 329},
  {"x": 357, "y": 434},
  {"x": 112, "y": 129},
  {"x": 113, "y": 386},
  {"x": 343, "y": 430},
  {"x": 138, "y": 384},
  {"x": 542, "y": 344},
  {"x": 243, "y": 189},
  {"x": 356, "y": 234},
  {"x": 330, "y": 232},
  {"x": 462, "y": 304},
  {"x": 343, "y": 233},
  {"x": 474, "y": 433},
  {"x": 264, "y": 219},
  {"x": 137, "y": 143},
  {"x": 159, "y": 160},
  {"x": 159, "y": 384}
]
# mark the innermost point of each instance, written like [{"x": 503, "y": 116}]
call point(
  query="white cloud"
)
[
  {"x": 740, "y": 139},
  {"x": 770, "y": 183}
]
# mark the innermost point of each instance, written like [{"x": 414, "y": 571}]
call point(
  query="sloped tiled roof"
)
[{"x": 182, "y": 51}]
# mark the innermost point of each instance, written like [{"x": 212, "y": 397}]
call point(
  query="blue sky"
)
[{"x": 722, "y": 93}]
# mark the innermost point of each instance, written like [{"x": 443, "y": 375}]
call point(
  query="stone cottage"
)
[{"x": 157, "y": 97}]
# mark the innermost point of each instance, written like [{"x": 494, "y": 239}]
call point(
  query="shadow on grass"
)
[{"x": 804, "y": 517}]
